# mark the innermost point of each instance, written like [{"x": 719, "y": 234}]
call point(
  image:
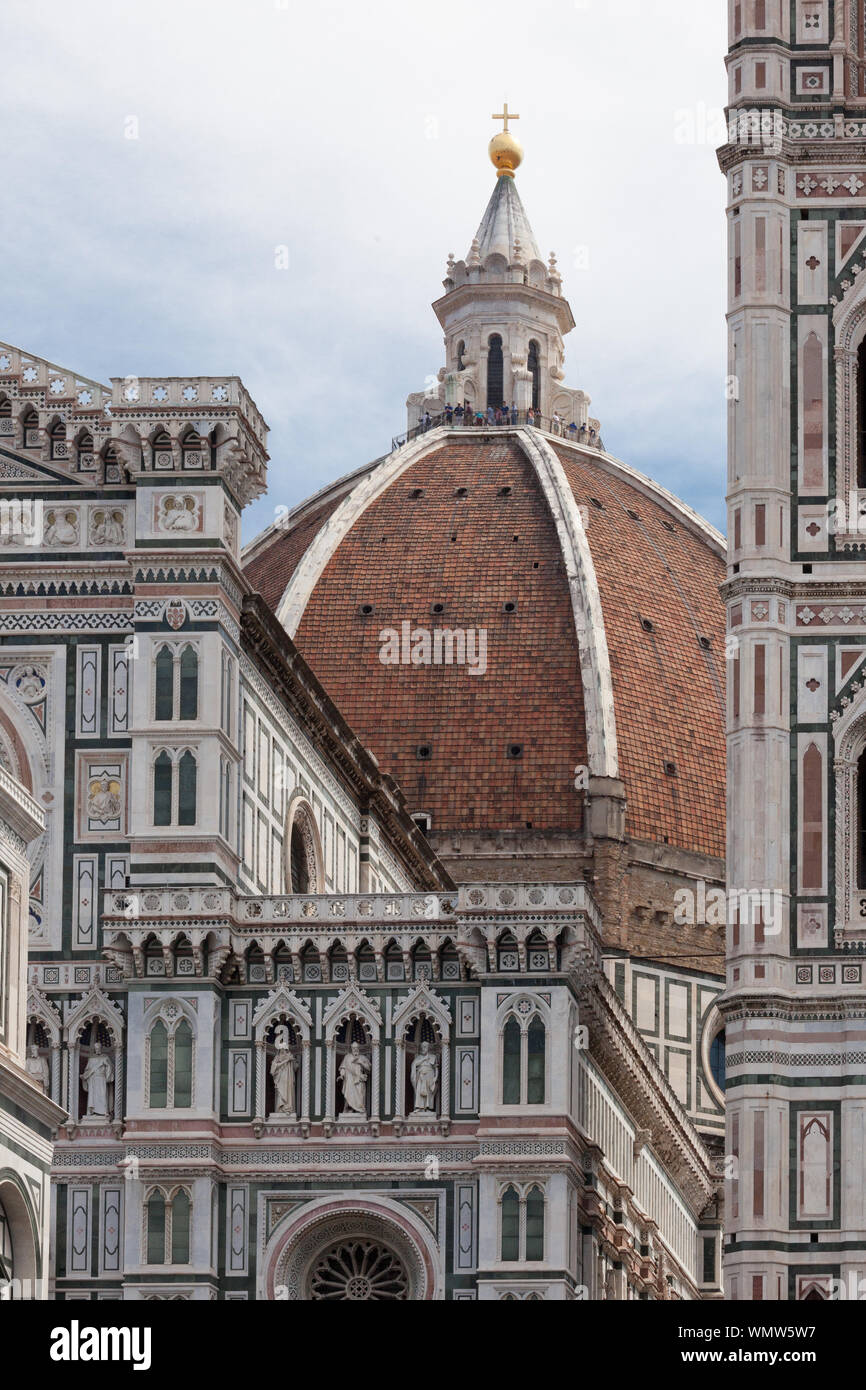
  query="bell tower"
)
[
  {"x": 795, "y": 1004},
  {"x": 503, "y": 312}
]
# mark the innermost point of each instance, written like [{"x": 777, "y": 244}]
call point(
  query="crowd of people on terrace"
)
[{"x": 466, "y": 416}]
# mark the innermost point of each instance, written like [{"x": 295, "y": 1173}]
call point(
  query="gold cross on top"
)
[{"x": 504, "y": 115}]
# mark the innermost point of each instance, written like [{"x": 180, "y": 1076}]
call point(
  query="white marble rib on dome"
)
[{"x": 503, "y": 222}]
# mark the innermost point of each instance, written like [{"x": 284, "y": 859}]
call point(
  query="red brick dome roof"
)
[{"x": 605, "y": 633}]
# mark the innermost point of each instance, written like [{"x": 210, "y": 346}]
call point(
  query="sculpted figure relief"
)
[
  {"x": 98, "y": 1076},
  {"x": 354, "y": 1070},
  {"x": 425, "y": 1078},
  {"x": 283, "y": 1073},
  {"x": 103, "y": 800},
  {"x": 61, "y": 528},
  {"x": 37, "y": 1067}
]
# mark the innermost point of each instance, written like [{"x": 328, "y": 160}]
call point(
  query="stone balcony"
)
[{"x": 480, "y": 929}]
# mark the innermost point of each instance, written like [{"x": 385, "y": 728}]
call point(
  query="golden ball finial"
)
[{"x": 506, "y": 152}]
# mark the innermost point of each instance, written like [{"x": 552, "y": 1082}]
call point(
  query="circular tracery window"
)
[{"x": 356, "y": 1270}]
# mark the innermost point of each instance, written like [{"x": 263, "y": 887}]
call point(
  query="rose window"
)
[{"x": 357, "y": 1270}]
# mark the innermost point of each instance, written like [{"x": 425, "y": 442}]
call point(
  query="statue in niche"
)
[
  {"x": 424, "y": 1076},
  {"x": 283, "y": 1073},
  {"x": 98, "y": 1077},
  {"x": 37, "y": 1067},
  {"x": 354, "y": 1070}
]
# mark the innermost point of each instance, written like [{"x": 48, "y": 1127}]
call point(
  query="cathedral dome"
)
[
  {"x": 597, "y": 592},
  {"x": 526, "y": 632}
]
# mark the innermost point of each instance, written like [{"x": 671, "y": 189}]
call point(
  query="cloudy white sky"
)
[{"x": 355, "y": 136}]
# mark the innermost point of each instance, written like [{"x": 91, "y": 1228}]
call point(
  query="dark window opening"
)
[
  {"x": 535, "y": 373},
  {"x": 494, "y": 372},
  {"x": 298, "y": 862}
]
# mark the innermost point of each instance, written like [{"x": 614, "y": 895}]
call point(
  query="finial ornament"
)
[{"x": 504, "y": 149}]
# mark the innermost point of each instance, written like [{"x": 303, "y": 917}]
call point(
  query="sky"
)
[{"x": 271, "y": 189}]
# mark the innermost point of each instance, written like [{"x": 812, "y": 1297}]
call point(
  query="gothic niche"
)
[
  {"x": 95, "y": 1072},
  {"x": 421, "y": 1078},
  {"x": 353, "y": 1070},
  {"x": 282, "y": 1070}
]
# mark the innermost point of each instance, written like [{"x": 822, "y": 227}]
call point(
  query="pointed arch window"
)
[
  {"x": 164, "y": 683},
  {"x": 495, "y": 379},
  {"x": 156, "y": 1228},
  {"x": 510, "y": 1242},
  {"x": 170, "y": 1066},
  {"x": 535, "y": 1050},
  {"x": 186, "y": 796},
  {"x": 535, "y": 374},
  {"x": 167, "y": 1225},
  {"x": 176, "y": 682},
  {"x": 158, "y": 1099},
  {"x": 535, "y": 1224},
  {"x": 521, "y": 1224},
  {"x": 524, "y": 1055},
  {"x": 163, "y": 776},
  {"x": 175, "y": 787},
  {"x": 511, "y": 1050}
]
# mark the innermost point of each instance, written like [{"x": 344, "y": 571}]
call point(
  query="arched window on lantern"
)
[
  {"x": 495, "y": 379},
  {"x": 535, "y": 373},
  {"x": 461, "y": 348}
]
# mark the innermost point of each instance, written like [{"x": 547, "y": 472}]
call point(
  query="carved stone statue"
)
[
  {"x": 354, "y": 1071},
  {"x": 283, "y": 1073},
  {"x": 103, "y": 802},
  {"x": 98, "y": 1076},
  {"x": 37, "y": 1067},
  {"x": 425, "y": 1078}
]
